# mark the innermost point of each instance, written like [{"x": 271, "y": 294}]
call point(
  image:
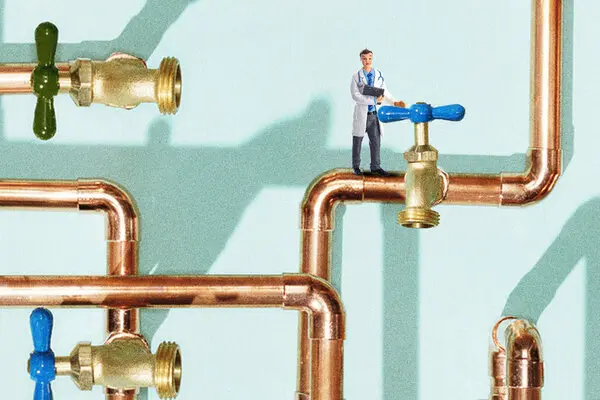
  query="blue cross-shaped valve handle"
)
[
  {"x": 41, "y": 361},
  {"x": 421, "y": 112}
]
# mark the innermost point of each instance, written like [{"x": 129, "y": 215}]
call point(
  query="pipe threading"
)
[
  {"x": 167, "y": 370},
  {"x": 412, "y": 217},
  {"x": 168, "y": 86}
]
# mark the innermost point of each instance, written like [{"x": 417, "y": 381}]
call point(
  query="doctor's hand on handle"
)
[{"x": 396, "y": 103}]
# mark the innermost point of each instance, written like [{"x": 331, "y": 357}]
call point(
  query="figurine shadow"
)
[
  {"x": 180, "y": 191},
  {"x": 577, "y": 240}
]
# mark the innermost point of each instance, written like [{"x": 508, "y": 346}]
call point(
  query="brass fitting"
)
[
  {"x": 124, "y": 362},
  {"x": 517, "y": 371},
  {"x": 425, "y": 183},
  {"x": 125, "y": 81}
]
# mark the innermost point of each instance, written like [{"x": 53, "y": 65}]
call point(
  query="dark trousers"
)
[{"x": 374, "y": 143}]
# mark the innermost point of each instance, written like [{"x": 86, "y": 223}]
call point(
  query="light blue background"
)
[{"x": 265, "y": 108}]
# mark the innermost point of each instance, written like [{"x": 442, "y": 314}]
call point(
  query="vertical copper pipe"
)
[
  {"x": 122, "y": 260},
  {"x": 122, "y": 252},
  {"x": 327, "y": 369}
]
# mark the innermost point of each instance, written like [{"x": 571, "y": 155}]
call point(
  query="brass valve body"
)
[
  {"x": 423, "y": 182},
  {"x": 125, "y": 81},
  {"x": 124, "y": 363}
]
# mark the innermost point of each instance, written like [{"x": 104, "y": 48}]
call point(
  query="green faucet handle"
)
[{"x": 44, "y": 80}]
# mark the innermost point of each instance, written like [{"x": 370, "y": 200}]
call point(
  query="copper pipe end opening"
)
[
  {"x": 168, "y": 86},
  {"x": 420, "y": 218},
  {"x": 168, "y": 370}
]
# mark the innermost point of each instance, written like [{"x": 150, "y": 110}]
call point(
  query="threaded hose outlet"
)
[
  {"x": 421, "y": 218},
  {"x": 168, "y": 86},
  {"x": 167, "y": 370}
]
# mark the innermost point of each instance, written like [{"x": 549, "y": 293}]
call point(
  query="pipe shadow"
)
[
  {"x": 140, "y": 37},
  {"x": 400, "y": 308},
  {"x": 577, "y": 240}
]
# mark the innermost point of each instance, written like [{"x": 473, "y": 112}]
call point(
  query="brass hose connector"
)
[
  {"x": 125, "y": 81},
  {"x": 125, "y": 362},
  {"x": 425, "y": 184},
  {"x": 517, "y": 371}
]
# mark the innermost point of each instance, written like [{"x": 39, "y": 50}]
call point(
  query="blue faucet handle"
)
[
  {"x": 421, "y": 112},
  {"x": 41, "y": 361}
]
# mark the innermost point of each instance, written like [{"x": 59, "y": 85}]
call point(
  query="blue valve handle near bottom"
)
[
  {"x": 421, "y": 112},
  {"x": 41, "y": 361}
]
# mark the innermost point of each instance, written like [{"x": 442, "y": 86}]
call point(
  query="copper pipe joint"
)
[
  {"x": 524, "y": 364},
  {"x": 318, "y": 297},
  {"x": 498, "y": 391},
  {"x": 125, "y": 363},
  {"x": 517, "y": 371}
]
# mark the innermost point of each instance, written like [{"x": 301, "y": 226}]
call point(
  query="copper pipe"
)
[
  {"x": 307, "y": 293},
  {"x": 524, "y": 362},
  {"x": 542, "y": 169},
  {"x": 16, "y": 78},
  {"x": 122, "y": 230}
]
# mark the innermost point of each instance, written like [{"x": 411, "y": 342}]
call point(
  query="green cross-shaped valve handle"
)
[{"x": 44, "y": 81}]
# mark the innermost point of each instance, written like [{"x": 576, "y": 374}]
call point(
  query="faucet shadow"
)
[{"x": 180, "y": 191}]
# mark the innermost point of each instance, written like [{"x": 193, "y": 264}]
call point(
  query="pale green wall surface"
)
[{"x": 266, "y": 108}]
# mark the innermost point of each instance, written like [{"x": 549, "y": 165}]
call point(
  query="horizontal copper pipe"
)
[
  {"x": 84, "y": 195},
  {"x": 16, "y": 78},
  {"x": 315, "y": 296},
  {"x": 290, "y": 291}
]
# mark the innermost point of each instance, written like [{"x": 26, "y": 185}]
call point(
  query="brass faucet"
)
[
  {"x": 124, "y": 362},
  {"x": 122, "y": 80},
  {"x": 425, "y": 184}
]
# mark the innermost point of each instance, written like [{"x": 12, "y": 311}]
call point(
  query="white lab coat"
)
[{"x": 359, "y": 122}]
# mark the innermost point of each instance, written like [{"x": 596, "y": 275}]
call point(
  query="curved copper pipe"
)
[
  {"x": 314, "y": 296},
  {"x": 524, "y": 362},
  {"x": 542, "y": 169},
  {"x": 122, "y": 230}
]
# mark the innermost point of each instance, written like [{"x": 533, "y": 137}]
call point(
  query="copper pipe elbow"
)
[
  {"x": 324, "y": 193},
  {"x": 524, "y": 362},
  {"x": 321, "y": 300},
  {"x": 108, "y": 197},
  {"x": 536, "y": 182}
]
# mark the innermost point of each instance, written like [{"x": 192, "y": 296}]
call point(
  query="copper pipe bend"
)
[
  {"x": 102, "y": 195},
  {"x": 320, "y": 299}
]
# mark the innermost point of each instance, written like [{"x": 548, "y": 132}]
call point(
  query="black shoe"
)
[
  {"x": 380, "y": 172},
  {"x": 357, "y": 171}
]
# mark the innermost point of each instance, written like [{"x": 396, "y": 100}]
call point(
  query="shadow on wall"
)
[
  {"x": 578, "y": 239},
  {"x": 180, "y": 191}
]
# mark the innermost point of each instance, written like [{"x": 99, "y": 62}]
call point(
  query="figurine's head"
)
[{"x": 366, "y": 58}]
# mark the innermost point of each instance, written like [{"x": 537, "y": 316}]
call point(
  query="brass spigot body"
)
[
  {"x": 124, "y": 362},
  {"x": 125, "y": 81},
  {"x": 517, "y": 371},
  {"x": 423, "y": 182}
]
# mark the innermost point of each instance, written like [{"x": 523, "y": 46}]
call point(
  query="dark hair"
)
[{"x": 365, "y": 51}]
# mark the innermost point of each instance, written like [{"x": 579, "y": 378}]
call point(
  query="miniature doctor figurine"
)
[{"x": 368, "y": 90}]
